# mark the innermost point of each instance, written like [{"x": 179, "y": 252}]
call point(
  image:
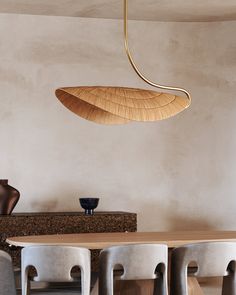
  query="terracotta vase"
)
[{"x": 9, "y": 196}]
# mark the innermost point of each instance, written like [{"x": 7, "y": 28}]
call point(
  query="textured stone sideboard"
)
[{"x": 23, "y": 224}]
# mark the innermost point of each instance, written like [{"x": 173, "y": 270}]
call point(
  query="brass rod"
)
[{"x": 132, "y": 60}]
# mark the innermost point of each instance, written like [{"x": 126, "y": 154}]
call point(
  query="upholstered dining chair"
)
[
  {"x": 212, "y": 259},
  {"x": 54, "y": 264},
  {"x": 138, "y": 261},
  {"x": 7, "y": 280}
]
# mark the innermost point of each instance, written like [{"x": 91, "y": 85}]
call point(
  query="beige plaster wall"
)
[{"x": 176, "y": 174}]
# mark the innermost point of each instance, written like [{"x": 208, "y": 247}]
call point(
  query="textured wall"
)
[
  {"x": 161, "y": 10},
  {"x": 177, "y": 174}
]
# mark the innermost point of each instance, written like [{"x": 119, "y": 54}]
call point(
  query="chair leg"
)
[
  {"x": 25, "y": 283},
  {"x": 28, "y": 287},
  {"x": 85, "y": 280},
  {"x": 229, "y": 284}
]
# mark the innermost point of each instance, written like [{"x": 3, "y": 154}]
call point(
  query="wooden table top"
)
[{"x": 103, "y": 240}]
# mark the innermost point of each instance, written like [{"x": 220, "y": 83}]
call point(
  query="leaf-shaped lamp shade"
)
[{"x": 119, "y": 105}]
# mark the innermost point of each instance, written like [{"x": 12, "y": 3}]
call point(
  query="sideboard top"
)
[{"x": 97, "y": 213}]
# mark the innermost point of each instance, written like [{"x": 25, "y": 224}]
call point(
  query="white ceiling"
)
[{"x": 162, "y": 10}]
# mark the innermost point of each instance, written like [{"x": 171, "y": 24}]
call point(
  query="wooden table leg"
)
[
  {"x": 194, "y": 287},
  {"x": 94, "y": 290},
  {"x": 145, "y": 287},
  {"x": 142, "y": 287}
]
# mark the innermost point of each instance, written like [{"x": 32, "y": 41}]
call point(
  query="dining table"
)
[{"x": 102, "y": 240}]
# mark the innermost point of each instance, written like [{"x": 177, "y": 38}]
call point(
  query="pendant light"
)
[{"x": 119, "y": 105}]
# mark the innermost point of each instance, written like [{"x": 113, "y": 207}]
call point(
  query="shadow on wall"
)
[
  {"x": 61, "y": 202},
  {"x": 45, "y": 205},
  {"x": 162, "y": 217},
  {"x": 178, "y": 223}
]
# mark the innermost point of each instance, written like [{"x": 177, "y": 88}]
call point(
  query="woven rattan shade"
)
[{"x": 119, "y": 105}]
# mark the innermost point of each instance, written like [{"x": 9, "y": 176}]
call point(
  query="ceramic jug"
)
[{"x": 9, "y": 196}]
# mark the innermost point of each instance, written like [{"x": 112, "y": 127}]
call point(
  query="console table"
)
[{"x": 24, "y": 224}]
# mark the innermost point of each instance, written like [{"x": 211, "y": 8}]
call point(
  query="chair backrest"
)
[
  {"x": 54, "y": 264},
  {"x": 213, "y": 259},
  {"x": 7, "y": 280},
  {"x": 139, "y": 262}
]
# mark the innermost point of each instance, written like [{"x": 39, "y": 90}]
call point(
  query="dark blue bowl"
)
[{"x": 89, "y": 204}]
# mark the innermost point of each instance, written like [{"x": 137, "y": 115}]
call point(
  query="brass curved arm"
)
[{"x": 133, "y": 63}]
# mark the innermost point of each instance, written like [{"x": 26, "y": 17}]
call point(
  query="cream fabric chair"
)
[
  {"x": 7, "y": 281},
  {"x": 54, "y": 264},
  {"x": 213, "y": 259},
  {"x": 139, "y": 262}
]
